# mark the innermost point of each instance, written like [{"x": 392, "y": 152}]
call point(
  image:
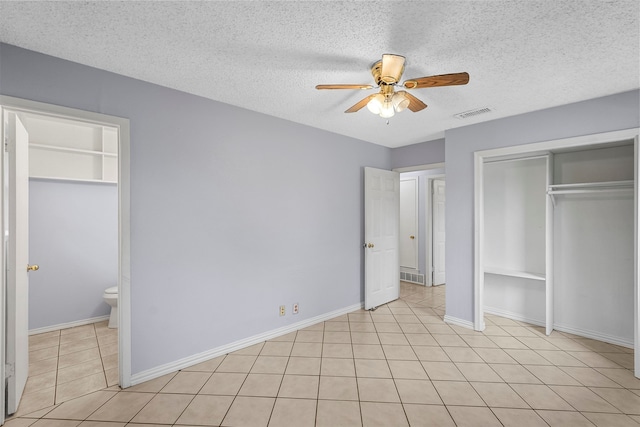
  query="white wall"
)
[
  {"x": 233, "y": 213},
  {"x": 73, "y": 237}
]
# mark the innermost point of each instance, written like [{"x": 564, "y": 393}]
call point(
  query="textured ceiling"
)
[{"x": 268, "y": 56}]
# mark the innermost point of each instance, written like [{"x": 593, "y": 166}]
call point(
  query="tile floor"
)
[
  {"x": 69, "y": 363},
  {"x": 399, "y": 365}
]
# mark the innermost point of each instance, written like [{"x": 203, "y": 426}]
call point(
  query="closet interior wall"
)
[
  {"x": 515, "y": 238},
  {"x": 593, "y": 243}
]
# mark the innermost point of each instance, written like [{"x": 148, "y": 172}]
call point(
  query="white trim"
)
[
  {"x": 458, "y": 322},
  {"x": 538, "y": 148},
  {"x": 478, "y": 239},
  {"x": 512, "y": 315},
  {"x": 124, "y": 225},
  {"x": 3, "y": 269},
  {"x": 420, "y": 167},
  {"x": 594, "y": 335},
  {"x": 68, "y": 325},
  {"x": 185, "y": 362},
  {"x": 636, "y": 250}
]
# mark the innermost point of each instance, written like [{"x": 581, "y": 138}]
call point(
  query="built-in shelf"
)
[
  {"x": 96, "y": 181},
  {"x": 65, "y": 151},
  {"x": 71, "y": 150},
  {"x": 514, "y": 273}
]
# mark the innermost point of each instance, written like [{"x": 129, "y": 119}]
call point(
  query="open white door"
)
[
  {"x": 381, "y": 229},
  {"x": 438, "y": 231},
  {"x": 17, "y": 281}
]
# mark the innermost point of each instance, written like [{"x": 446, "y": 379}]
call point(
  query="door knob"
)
[
  {"x": 33, "y": 267},
  {"x": 370, "y": 245},
  {"x": 412, "y": 237}
]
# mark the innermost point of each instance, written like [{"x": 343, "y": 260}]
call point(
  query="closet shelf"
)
[
  {"x": 514, "y": 273},
  {"x": 72, "y": 150}
]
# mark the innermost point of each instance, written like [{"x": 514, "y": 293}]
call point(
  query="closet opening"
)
[{"x": 556, "y": 227}]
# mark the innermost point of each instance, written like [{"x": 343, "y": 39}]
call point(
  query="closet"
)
[
  {"x": 558, "y": 240},
  {"x": 516, "y": 282}
]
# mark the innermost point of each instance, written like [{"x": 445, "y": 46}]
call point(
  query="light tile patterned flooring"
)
[
  {"x": 69, "y": 363},
  {"x": 399, "y": 365}
]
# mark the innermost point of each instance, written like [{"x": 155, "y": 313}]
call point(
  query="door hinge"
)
[{"x": 9, "y": 370}]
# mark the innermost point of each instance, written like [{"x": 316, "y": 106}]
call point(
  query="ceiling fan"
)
[{"x": 386, "y": 73}]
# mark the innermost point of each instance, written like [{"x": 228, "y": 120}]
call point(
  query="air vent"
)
[
  {"x": 472, "y": 113},
  {"x": 412, "y": 277}
]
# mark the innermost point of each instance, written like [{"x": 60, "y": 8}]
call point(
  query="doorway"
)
[
  {"x": 422, "y": 234},
  {"x": 85, "y": 167}
]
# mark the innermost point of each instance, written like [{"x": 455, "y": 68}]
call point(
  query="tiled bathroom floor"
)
[
  {"x": 397, "y": 366},
  {"x": 69, "y": 363}
]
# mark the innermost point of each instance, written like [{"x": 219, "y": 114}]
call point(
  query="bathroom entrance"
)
[{"x": 75, "y": 238}]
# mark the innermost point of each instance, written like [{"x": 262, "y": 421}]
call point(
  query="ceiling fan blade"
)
[
  {"x": 415, "y": 104},
  {"x": 340, "y": 86},
  {"x": 360, "y": 104},
  {"x": 440, "y": 80},
  {"x": 392, "y": 68}
]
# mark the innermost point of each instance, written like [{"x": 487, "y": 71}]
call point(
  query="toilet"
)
[{"x": 110, "y": 296}]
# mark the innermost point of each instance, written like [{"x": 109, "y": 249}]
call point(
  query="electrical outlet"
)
[
  {"x": 295, "y": 308},
  {"x": 282, "y": 310}
]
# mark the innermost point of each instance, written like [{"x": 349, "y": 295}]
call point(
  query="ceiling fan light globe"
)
[
  {"x": 400, "y": 101},
  {"x": 375, "y": 104},
  {"x": 387, "y": 110}
]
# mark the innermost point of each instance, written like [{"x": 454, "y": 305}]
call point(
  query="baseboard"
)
[
  {"x": 68, "y": 325},
  {"x": 594, "y": 335},
  {"x": 168, "y": 368},
  {"x": 513, "y": 316},
  {"x": 458, "y": 322}
]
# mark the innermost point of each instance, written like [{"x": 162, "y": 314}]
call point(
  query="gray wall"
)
[
  {"x": 598, "y": 115},
  {"x": 418, "y": 154},
  {"x": 73, "y": 237},
  {"x": 232, "y": 212}
]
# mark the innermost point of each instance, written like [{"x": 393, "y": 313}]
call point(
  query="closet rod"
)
[
  {"x": 595, "y": 184},
  {"x": 591, "y": 190}
]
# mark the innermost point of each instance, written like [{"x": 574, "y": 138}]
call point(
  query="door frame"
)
[
  {"x": 540, "y": 148},
  {"x": 124, "y": 222}
]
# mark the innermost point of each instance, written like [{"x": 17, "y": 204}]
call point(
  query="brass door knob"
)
[
  {"x": 412, "y": 237},
  {"x": 33, "y": 267},
  {"x": 370, "y": 245}
]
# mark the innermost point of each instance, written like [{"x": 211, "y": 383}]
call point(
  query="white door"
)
[
  {"x": 438, "y": 231},
  {"x": 17, "y": 284},
  {"x": 409, "y": 223},
  {"x": 381, "y": 228}
]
